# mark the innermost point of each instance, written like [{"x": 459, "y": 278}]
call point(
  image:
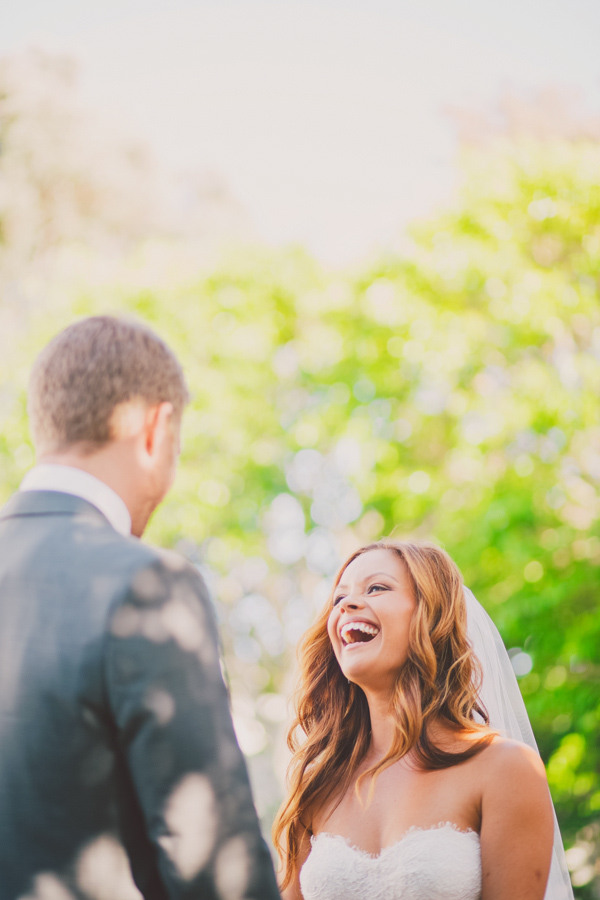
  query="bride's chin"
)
[
  {"x": 355, "y": 670},
  {"x": 355, "y": 675},
  {"x": 369, "y": 680}
]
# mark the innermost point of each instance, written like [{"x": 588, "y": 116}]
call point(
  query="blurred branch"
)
[{"x": 552, "y": 113}]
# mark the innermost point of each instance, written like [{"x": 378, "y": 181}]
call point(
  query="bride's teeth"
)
[{"x": 364, "y": 627}]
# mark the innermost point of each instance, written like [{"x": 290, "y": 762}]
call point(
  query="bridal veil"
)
[{"x": 501, "y": 697}]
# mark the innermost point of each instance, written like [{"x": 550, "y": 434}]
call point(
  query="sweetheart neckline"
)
[{"x": 414, "y": 829}]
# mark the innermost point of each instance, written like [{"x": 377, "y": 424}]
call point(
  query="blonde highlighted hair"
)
[{"x": 437, "y": 683}]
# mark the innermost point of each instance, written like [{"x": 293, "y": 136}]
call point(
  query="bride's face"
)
[{"x": 370, "y": 619}]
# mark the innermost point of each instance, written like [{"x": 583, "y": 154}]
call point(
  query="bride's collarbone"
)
[{"x": 403, "y": 799}]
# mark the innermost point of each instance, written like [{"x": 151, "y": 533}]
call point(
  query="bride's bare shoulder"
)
[
  {"x": 503, "y": 751},
  {"x": 512, "y": 760},
  {"x": 515, "y": 800}
]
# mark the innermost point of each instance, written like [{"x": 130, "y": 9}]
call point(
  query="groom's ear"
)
[{"x": 158, "y": 427}]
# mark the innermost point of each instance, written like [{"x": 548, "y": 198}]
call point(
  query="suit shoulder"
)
[
  {"x": 146, "y": 556},
  {"x": 165, "y": 597},
  {"x": 161, "y": 574},
  {"x": 164, "y": 560}
]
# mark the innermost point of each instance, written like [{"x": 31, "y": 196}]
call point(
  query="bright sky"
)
[{"x": 325, "y": 119}]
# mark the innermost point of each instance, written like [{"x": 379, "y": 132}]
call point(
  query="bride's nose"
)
[{"x": 351, "y": 602}]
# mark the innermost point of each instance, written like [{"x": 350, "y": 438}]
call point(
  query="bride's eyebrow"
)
[
  {"x": 379, "y": 575},
  {"x": 342, "y": 587}
]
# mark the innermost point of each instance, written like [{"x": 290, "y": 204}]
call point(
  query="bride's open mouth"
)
[{"x": 356, "y": 633}]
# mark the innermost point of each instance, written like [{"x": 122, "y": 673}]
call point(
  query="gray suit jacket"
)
[{"x": 117, "y": 751}]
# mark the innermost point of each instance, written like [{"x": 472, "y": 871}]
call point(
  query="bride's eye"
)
[
  {"x": 337, "y": 599},
  {"x": 377, "y": 587}
]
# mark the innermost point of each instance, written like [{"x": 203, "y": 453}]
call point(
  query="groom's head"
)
[{"x": 107, "y": 395}]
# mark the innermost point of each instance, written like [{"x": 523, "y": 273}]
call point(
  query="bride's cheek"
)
[{"x": 331, "y": 627}]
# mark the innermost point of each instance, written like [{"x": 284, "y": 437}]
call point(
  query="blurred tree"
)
[
  {"x": 549, "y": 114},
  {"x": 451, "y": 394},
  {"x": 79, "y": 205}
]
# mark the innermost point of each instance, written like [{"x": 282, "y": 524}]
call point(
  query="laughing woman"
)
[{"x": 403, "y": 785}]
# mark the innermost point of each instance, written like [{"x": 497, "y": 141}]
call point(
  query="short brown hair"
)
[{"x": 90, "y": 368}]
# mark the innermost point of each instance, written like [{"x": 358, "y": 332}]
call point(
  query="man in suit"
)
[{"x": 120, "y": 773}]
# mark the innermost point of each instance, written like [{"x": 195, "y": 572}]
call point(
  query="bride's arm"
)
[
  {"x": 292, "y": 891},
  {"x": 517, "y": 824}
]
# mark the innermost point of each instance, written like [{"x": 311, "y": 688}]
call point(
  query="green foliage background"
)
[{"x": 450, "y": 394}]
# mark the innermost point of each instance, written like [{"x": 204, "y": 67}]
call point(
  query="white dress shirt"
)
[{"x": 69, "y": 480}]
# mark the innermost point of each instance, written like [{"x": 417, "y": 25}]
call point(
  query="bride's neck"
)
[
  {"x": 382, "y": 726},
  {"x": 383, "y": 731}
]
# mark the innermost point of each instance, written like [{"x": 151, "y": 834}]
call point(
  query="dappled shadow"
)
[
  {"x": 232, "y": 870},
  {"x": 191, "y": 817},
  {"x": 48, "y": 887},
  {"x": 103, "y": 871}
]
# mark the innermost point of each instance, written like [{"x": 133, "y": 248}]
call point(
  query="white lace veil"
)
[{"x": 500, "y": 695}]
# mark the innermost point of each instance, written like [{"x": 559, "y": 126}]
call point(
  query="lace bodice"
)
[{"x": 441, "y": 863}]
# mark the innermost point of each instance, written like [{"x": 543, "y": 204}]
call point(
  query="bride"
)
[{"x": 404, "y": 785}]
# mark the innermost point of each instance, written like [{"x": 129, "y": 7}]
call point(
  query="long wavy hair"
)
[{"x": 438, "y": 682}]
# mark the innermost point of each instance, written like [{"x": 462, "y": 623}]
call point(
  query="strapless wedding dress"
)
[{"x": 441, "y": 863}]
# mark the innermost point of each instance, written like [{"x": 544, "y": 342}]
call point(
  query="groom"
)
[{"x": 120, "y": 774}]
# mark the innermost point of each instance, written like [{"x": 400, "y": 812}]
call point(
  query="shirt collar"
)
[{"x": 69, "y": 480}]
